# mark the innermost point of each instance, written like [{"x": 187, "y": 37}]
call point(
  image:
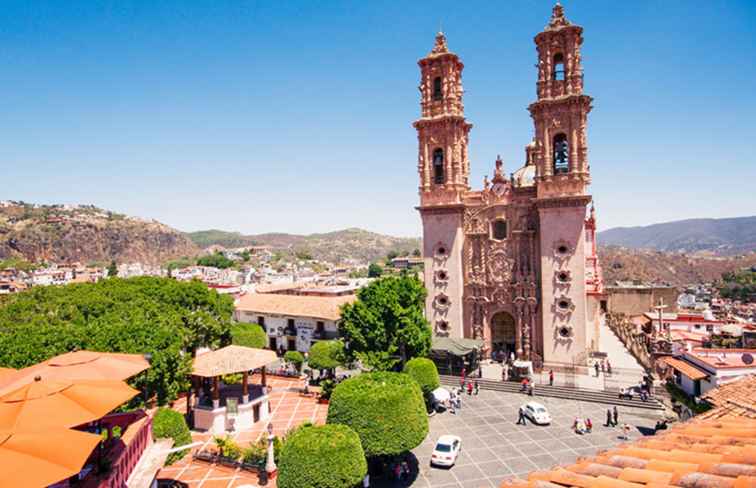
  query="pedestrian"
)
[
  {"x": 588, "y": 425},
  {"x": 551, "y": 377},
  {"x": 480, "y": 371},
  {"x": 477, "y": 387},
  {"x": 603, "y": 366},
  {"x": 469, "y": 388},
  {"x": 397, "y": 471},
  {"x": 521, "y": 417},
  {"x": 366, "y": 481},
  {"x": 609, "y": 417},
  {"x": 608, "y": 367},
  {"x": 596, "y": 366},
  {"x": 405, "y": 470},
  {"x": 626, "y": 432},
  {"x": 615, "y": 416},
  {"x": 464, "y": 373},
  {"x": 504, "y": 374},
  {"x": 524, "y": 385}
]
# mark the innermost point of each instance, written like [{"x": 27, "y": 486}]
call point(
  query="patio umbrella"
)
[
  {"x": 79, "y": 365},
  {"x": 55, "y": 403},
  {"x": 41, "y": 458}
]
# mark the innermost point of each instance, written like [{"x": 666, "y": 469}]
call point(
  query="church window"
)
[
  {"x": 565, "y": 332},
  {"x": 564, "y": 304},
  {"x": 438, "y": 93},
  {"x": 563, "y": 277},
  {"x": 439, "y": 177},
  {"x": 561, "y": 154},
  {"x": 499, "y": 228},
  {"x": 559, "y": 67}
]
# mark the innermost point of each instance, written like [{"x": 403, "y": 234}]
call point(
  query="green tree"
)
[
  {"x": 385, "y": 409},
  {"x": 416, "y": 253},
  {"x": 295, "y": 358},
  {"x": 217, "y": 260},
  {"x": 248, "y": 335},
  {"x": 326, "y": 355},
  {"x": 374, "y": 270},
  {"x": 391, "y": 255},
  {"x": 324, "y": 456},
  {"x": 170, "y": 424},
  {"x": 385, "y": 326},
  {"x": 424, "y": 371},
  {"x": 112, "y": 270}
]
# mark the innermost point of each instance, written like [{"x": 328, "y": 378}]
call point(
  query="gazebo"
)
[{"x": 232, "y": 407}]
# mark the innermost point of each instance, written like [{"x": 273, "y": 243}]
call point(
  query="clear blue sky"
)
[{"x": 296, "y": 116}]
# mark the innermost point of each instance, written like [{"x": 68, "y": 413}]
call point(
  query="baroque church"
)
[{"x": 514, "y": 263}]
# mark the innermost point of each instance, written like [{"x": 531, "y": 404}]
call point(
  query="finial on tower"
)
[
  {"x": 440, "y": 46},
  {"x": 557, "y": 17}
]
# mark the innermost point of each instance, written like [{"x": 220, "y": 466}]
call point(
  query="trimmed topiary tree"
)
[
  {"x": 324, "y": 456},
  {"x": 248, "y": 335},
  {"x": 424, "y": 371},
  {"x": 325, "y": 355},
  {"x": 295, "y": 358},
  {"x": 385, "y": 409},
  {"x": 170, "y": 424}
]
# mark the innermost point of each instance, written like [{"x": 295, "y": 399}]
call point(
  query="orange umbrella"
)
[
  {"x": 78, "y": 365},
  {"x": 41, "y": 458},
  {"x": 57, "y": 403}
]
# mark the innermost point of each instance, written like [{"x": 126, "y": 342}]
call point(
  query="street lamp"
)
[{"x": 270, "y": 465}]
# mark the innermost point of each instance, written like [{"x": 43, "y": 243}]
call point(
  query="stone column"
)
[{"x": 245, "y": 387}]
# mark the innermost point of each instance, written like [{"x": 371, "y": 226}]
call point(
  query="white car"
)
[
  {"x": 446, "y": 451},
  {"x": 537, "y": 413}
]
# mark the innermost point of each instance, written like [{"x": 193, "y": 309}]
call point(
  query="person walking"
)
[
  {"x": 470, "y": 388},
  {"x": 615, "y": 416},
  {"x": 609, "y": 417},
  {"x": 521, "y": 417},
  {"x": 551, "y": 377},
  {"x": 603, "y": 365},
  {"x": 626, "y": 431},
  {"x": 596, "y": 367},
  {"x": 588, "y": 425},
  {"x": 504, "y": 376},
  {"x": 524, "y": 385},
  {"x": 477, "y": 387},
  {"x": 608, "y": 367}
]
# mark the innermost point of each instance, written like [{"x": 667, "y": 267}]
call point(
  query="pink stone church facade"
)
[{"x": 514, "y": 263}]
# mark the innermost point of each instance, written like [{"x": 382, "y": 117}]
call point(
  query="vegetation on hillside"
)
[
  {"x": 740, "y": 285},
  {"x": 165, "y": 319}
]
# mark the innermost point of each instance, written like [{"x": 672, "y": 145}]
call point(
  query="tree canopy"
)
[
  {"x": 424, "y": 371},
  {"x": 216, "y": 260},
  {"x": 374, "y": 270},
  {"x": 385, "y": 409},
  {"x": 385, "y": 326},
  {"x": 248, "y": 335},
  {"x": 146, "y": 315},
  {"x": 325, "y": 354}
]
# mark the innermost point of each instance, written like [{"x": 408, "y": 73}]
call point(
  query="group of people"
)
[
  {"x": 469, "y": 385},
  {"x": 581, "y": 426},
  {"x": 603, "y": 366}
]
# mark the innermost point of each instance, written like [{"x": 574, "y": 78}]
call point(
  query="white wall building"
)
[{"x": 699, "y": 370}]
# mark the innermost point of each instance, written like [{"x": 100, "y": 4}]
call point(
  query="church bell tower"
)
[
  {"x": 560, "y": 116},
  {"x": 444, "y": 168}
]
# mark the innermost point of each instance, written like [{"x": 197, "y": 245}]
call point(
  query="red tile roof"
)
[{"x": 685, "y": 368}]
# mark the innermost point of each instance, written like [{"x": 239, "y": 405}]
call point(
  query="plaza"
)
[{"x": 495, "y": 448}]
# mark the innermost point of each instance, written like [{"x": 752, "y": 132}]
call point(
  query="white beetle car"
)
[
  {"x": 537, "y": 413},
  {"x": 446, "y": 451}
]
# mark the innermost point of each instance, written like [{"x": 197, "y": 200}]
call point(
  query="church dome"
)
[{"x": 524, "y": 176}]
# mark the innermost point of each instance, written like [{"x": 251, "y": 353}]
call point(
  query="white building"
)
[
  {"x": 292, "y": 322},
  {"x": 699, "y": 370}
]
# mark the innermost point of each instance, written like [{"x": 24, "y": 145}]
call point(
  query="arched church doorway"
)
[{"x": 503, "y": 334}]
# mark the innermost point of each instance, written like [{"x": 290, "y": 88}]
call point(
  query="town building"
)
[
  {"x": 632, "y": 298},
  {"x": 513, "y": 264},
  {"x": 699, "y": 370},
  {"x": 293, "y": 322}
]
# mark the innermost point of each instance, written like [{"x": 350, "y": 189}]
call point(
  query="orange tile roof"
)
[
  {"x": 734, "y": 399},
  {"x": 327, "y": 308},
  {"x": 685, "y": 368}
]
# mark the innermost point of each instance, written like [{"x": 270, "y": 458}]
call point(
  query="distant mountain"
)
[
  {"x": 85, "y": 234},
  {"x": 724, "y": 237},
  {"x": 332, "y": 246}
]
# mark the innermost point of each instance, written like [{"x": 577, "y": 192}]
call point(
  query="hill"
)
[
  {"x": 721, "y": 237},
  {"x": 85, "y": 234},
  {"x": 332, "y": 246}
]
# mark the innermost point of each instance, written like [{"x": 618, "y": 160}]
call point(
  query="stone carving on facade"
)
[
  {"x": 441, "y": 277},
  {"x": 562, "y": 278},
  {"x": 473, "y": 221},
  {"x": 563, "y": 250},
  {"x": 563, "y": 306},
  {"x": 442, "y": 302},
  {"x": 440, "y": 46},
  {"x": 440, "y": 252},
  {"x": 442, "y": 328},
  {"x": 500, "y": 266}
]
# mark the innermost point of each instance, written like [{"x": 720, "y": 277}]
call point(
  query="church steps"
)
[{"x": 567, "y": 393}]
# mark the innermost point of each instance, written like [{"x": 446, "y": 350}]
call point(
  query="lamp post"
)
[{"x": 270, "y": 465}]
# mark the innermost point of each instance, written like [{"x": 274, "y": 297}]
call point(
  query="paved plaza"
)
[{"x": 495, "y": 448}]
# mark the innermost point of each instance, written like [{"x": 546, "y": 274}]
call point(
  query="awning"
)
[
  {"x": 685, "y": 368},
  {"x": 230, "y": 360},
  {"x": 455, "y": 346}
]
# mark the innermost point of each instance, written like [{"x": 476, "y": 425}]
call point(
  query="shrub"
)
[
  {"x": 326, "y": 355},
  {"x": 256, "y": 453},
  {"x": 423, "y": 371},
  {"x": 385, "y": 409},
  {"x": 295, "y": 358},
  {"x": 326, "y": 456},
  {"x": 169, "y": 424},
  {"x": 326, "y": 388},
  {"x": 228, "y": 448},
  {"x": 248, "y": 335}
]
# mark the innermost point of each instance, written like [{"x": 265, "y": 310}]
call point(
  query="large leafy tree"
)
[
  {"x": 159, "y": 317},
  {"x": 385, "y": 326},
  {"x": 326, "y": 355},
  {"x": 385, "y": 409}
]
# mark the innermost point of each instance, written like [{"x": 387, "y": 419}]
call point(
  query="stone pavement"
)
[{"x": 495, "y": 448}]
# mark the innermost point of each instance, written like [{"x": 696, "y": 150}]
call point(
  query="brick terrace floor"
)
[{"x": 288, "y": 409}]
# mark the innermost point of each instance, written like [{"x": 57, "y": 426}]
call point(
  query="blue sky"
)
[{"x": 296, "y": 116}]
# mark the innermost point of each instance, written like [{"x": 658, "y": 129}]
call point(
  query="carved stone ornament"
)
[
  {"x": 563, "y": 249},
  {"x": 442, "y": 328},
  {"x": 562, "y": 277},
  {"x": 563, "y": 306},
  {"x": 500, "y": 266},
  {"x": 442, "y": 302},
  {"x": 441, "y": 277},
  {"x": 441, "y": 251},
  {"x": 473, "y": 221}
]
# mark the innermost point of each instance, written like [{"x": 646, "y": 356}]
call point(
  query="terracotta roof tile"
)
[
  {"x": 736, "y": 399},
  {"x": 328, "y": 308},
  {"x": 717, "y": 450},
  {"x": 685, "y": 368}
]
